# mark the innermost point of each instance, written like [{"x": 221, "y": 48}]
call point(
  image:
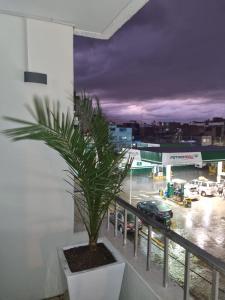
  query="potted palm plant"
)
[{"x": 93, "y": 171}]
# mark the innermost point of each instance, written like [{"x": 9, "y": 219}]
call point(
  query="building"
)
[
  {"x": 135, "y": 129},
  {"x": 206, "y": 140},
  {"x": 36, "y": 213},
  {"x": 36, "y": 49},
  {"x": 121, "y": 136}
]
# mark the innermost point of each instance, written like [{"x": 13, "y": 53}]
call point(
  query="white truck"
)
[{"x": 207, "y": 188}]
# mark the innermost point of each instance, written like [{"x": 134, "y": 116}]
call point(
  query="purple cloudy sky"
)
[{"x": 166, "y": 63}]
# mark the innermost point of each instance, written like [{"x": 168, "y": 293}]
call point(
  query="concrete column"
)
[
  {"x": 168, "y": 173},
  {"x": 219, "y": 171}
]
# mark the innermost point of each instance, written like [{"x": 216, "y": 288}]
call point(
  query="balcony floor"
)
[{"x": 153, "y": 278}]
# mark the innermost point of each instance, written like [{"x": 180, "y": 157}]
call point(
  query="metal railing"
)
[{"x": 216, "y": 264}]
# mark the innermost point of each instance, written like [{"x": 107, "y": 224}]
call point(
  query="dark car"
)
[
  {"x": 120, "y": 221},
  {"x": 157, "y": 209}
]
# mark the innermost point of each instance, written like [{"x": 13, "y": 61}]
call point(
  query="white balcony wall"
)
[
  {"x": 36, "y": 214},
  {"x": 135, "y": 287}
]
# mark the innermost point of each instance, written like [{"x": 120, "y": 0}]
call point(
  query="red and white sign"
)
[{"x": 182, "y": 158}]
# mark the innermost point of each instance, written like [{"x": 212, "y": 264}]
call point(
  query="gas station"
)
[{"x": 169, "y": 157}]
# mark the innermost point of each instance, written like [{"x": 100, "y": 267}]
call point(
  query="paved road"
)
[{"x": 203, "y": 224}]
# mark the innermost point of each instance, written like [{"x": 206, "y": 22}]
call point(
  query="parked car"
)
[
  {"x": 120, "y": 221},
  {"x": 156, "y": 209},
  {"x": 190, "y": 193},
  {"x": 194, "y": 184},
  {"x": 207, "y": 188}
]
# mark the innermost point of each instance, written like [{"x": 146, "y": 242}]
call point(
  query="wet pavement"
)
[{"x": 202, "y": 224}]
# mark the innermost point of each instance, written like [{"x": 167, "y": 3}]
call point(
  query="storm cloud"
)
[{"x": 167, "y": 62}]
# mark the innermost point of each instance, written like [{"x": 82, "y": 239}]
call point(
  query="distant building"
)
[
  {"x": 208, "y": 132},
  {"x": 139, "y": 144},
  {"x": 206, "y": 140},
  {"x": 121, "y": 136},
  {"x": 135, "y": 129}
]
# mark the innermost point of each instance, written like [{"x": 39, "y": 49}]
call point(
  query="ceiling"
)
[{"x": 92, "y": 18}]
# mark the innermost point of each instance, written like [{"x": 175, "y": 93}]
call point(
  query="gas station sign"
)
[{"x": 182, "y": 158}]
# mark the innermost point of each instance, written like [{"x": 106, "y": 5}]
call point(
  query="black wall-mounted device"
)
[{"x": 35, "y": 77}]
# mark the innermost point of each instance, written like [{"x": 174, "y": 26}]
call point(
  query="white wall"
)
[
  {"x": 135, "y": 287},
  {"x": 36, "y": 214}
]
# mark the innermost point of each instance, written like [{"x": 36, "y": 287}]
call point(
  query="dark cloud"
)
[{"x": 172, "y": 51}]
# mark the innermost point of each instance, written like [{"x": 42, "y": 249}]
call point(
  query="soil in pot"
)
[{"x": 81, "y": 258}]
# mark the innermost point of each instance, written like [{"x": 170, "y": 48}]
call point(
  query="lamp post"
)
[
  {"x": 79, "y": 123},
  {"x": 76, "y": 217},
  {"x": 219, "y": 171},
  {"x": 130, "y": 198}
]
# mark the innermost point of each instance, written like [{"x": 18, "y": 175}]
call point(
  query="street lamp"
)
[{"x": 130, "y": 198}]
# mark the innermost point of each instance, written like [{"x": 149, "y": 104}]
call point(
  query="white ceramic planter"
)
[{"x": 102, "y": 283}]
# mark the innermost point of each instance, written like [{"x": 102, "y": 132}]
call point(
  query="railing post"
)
[
  {"x": 125, "y": 228},
  {"x": 108, "y": 219},
  {"x": 136, "y": 236},
  {"x": 165, "y": 262},
  {"x": 215, "y": 285},
  {"x": 167, "y": 235},
  {"x": 187, "y": 275},
  {"x": 115, "y": 220},
  {"x": 149, "y": 247}
]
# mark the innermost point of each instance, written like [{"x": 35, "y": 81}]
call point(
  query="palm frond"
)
[{"x": 93, "y": 164}]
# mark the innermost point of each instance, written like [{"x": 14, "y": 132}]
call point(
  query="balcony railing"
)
[{"x": 216, "y": 264}]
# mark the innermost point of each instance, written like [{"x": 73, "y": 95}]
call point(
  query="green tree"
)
[{"x": 93, "y": 164}]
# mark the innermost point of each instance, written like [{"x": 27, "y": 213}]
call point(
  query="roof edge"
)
[
  {"x": 115, "y": 24},
  {"x": 125, "y": 15}
]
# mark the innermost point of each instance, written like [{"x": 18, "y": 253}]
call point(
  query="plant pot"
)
[{"x": 99, "y": 283}]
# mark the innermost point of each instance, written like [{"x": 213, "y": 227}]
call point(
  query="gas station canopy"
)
[{"x": 183, "y": 156}]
